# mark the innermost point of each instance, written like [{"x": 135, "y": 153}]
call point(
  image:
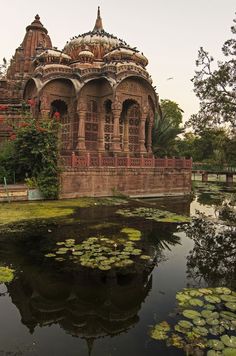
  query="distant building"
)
[{"x": 100, "y": 88}]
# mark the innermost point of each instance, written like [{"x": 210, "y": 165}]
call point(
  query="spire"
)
[{"x": 98, "y": 25}]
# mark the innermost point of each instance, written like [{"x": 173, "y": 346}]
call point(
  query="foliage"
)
[
  {"x": 7, "y": 152},
  {"x": 215, "y": 146},
  {"x": 166, "y": 128},
  {"x": 216, "y": 88},
  {"x": 36, "y": 154},
  {"x": 214, "y": 253},
  {"x": 171, "y": 112}
]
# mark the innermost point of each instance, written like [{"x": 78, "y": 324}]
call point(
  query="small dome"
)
[
  {"x": 86, "y": 56},
  {"x": 121, "y": 54},
  {"x": 52, "y": 56},
  {"x": 141, "y": 59}
]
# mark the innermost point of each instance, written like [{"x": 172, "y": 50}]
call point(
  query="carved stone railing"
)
[{"x": 76, "y": 162}]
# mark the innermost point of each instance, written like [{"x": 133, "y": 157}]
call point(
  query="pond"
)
[{"x": 68, "y": 297}]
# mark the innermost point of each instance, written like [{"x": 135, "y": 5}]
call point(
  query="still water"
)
[{"x": 63, "y": 310}]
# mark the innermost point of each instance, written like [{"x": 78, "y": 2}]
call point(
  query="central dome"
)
[{"x": 97, "y": 41}]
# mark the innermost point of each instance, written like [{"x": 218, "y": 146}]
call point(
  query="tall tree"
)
[
  {"x": 166, "y": 128},
  {"x": 215, "y": 86}
]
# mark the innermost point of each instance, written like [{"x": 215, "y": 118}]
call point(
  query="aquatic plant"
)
[
  {"x": 133, "y": 234},
  {"x": 209, "y": 326},
  {"x": 153, "y": 214},
  {"x": 98, "y": 253},
  {"x": 6, "y": 274}
]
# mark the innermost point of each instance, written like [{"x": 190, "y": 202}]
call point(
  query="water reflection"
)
[
  {"x": 85, "y": 303},
  {"x": 213, "y": 257}
]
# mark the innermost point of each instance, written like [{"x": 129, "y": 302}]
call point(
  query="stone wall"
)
[{"x": 129, "y": 181}]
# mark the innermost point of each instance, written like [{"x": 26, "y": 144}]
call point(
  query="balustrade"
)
[{"x": 100, "y": 160}]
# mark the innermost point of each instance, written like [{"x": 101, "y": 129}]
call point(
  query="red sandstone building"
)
[{"x": 104, "y": 94}]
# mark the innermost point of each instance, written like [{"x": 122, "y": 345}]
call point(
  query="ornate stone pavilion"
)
[{"x": 104, "y": 94}]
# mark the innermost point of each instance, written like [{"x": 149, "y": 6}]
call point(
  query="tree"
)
[
  {"x": 216, "y": 88},
  {"x": 213, "y": 257},
  {"x": 172, "y": 112},
  {"x": 166, "y": 128}
]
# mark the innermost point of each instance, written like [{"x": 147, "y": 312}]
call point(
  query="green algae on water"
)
[{"x": 153, "y": 214}]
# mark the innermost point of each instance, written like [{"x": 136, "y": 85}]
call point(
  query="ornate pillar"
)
[
  {"x": 149, "y": 134},
  {"x": 126, "y": 133},
  {"x": 142, "y": 148},
  {"x": 101, "y": 144},
  {"x": 82, "y": 111},
  {"x": 116, "y": 110}
]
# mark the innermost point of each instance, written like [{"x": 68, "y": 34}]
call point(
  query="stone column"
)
[
  {"x": 116, "y": 130},
  {"x": 142, "y": 148},
  {"x": 81, "y": 132},
  {"x": 126, "y": 134},
  {"x": 101, "y": 141},
  {"x": 149, "y": 138}
]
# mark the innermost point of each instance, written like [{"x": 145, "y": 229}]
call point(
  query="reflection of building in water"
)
[{"x": 88, "y": 305}]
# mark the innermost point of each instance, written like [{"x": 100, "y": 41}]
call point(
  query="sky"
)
[{"x": 168, "y": 32}]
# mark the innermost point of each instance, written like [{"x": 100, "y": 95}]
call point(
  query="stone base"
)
[{"x": 95, "y": 182}]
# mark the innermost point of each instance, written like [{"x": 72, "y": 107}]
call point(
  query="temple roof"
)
[
  {"x": 36, "y": 25},
  {"x": 98, "y": 41}
]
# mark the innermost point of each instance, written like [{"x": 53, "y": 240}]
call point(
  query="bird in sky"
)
[{"x": 170, "y": 78}]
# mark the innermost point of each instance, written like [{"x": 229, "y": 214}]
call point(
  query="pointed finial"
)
[
  {"x": 37, "y": 17},
  {"x": 98, "y": 25}
]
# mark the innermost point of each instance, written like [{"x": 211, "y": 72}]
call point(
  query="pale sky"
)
[{"x": 168, "y": 32}]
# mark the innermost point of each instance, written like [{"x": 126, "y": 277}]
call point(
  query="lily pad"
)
[
  {"x": 214, "y": 353},
  {"x": 196, "y": 302},
  {"x": 191, "y": 314},
  {"x": 6, "y": 274},
  {"x": 228, "y": 315},
  {"x": 133, "y": 234},
  {"x": 50, "y": 255},
  {"x": 229, "y": 352},
  {"x": 205, "y": 291},
  {"x": 199, "y": 330},
  {"x": 159, "y": 332},
  {"x": 212, "y": 299},
  {"x": 195, "y": 293},
  {"x": 228, "y": 298},
  {"x": 222, "y": 290},
  {"x": 185, "y": 324},
  {"x": 212, "y": 321},
  {"x": 145, "y": 257},
  {"x": 209, "y": 306},
  {"x": 209, "y": 314},
  {"x": 217, "y": 330},
  {"x": 176, "y": 341},
  {"x": 229, "y": 341},
  {"x": 231, "y": 306},
  {"x": 199, "y": 321},
  {"x": 215, "y": 344}
]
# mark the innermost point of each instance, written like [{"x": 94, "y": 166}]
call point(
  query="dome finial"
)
[{"x": 98, "y": 25}]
